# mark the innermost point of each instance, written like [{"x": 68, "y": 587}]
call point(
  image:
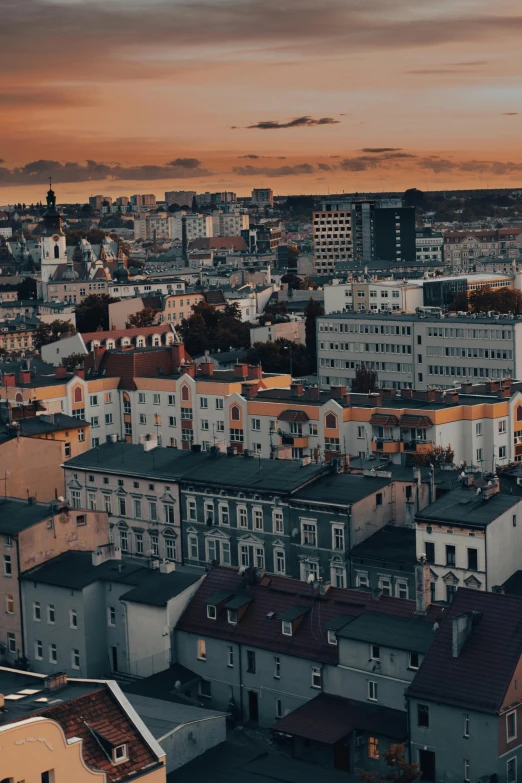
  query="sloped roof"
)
[{"x": 479, "y": 677}]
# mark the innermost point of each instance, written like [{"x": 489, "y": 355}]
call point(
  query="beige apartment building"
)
[
  {"x": 332, "y": 235},
  {"x": 463, "y": 248}
]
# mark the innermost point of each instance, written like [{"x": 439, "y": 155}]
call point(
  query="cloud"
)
[
  {"x": 463, "y": 67},
  {"x": 249, "y": 157},
  {"x": 259, "y": 157},
  {"x": 267, "y": 171},
  {"x": 38, "y": 172},
  {"x": 298, "y": 122},
  {"x": 378, "y": 150},
  {"x": 324, "y": 167},
  {"x": 509, "y": 113}
]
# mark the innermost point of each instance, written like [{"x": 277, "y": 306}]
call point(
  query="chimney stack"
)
[{"x": 422, "y": 585}]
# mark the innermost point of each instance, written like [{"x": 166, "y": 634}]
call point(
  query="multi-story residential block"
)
[
  {"x": 59, "y": 729},
  {"x": 152, "y": 286},
  {"x": 263, "y": 197},
  {"x": 419, "y": 350},
  {"x": 32, "y": 533},
  {"x": 143, "y": 200},
  {"x": 429, "y": 245},
  {"x": 153, "y": 226},
  {"x": 171, "y": 308},
  {"x": 229, "y": 224},
  {"x": 97, "y": 202},
  {"x": 325, "y": 665},
  {"x": 374, "y": 296},
  {"x": 183, "y": 198},
  {"x": 471, "y": 537},
  {"x": 196, "y": 225},
  {"x": 463, "y": 248},
  {"x": 17, "y": 334},
  {"x": 86, "y": 613},
  {"x": 464, "y": 704}
]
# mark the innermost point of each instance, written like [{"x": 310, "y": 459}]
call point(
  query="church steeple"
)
[{"x": 52, "y": 218}]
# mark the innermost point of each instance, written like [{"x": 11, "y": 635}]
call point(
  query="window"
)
[
  {"x": 209, "y": 512},
  {"x": 372, "y": 690},
  {"x": 81, "y": 435},
  {"x": 317, "y": 679},
  {"x": 143, "y": 418},
  {"x": 429, "y": 550},
  {"x": 9, "y": 603},
  {"x": 478, "y": 428},
  {"x": 251, "y": 662},
  {"x": 362, "y": 580},
  {"x": 257, "y": 516},
  {"x": 279, "y": 561},
  {"x": 232, "y": 617},
  {"x": 8, "y": 541},
  {"x": 111, "y": 616},
  {"x": 119, "y": 753},
  {"x": 236, "y": 436},
  {"x": 373, "y": 748},
  {"x": 360, "y": 432},
  {"x": 11, "y": 643},
  {"x": 38, "y": 650},
  {"x": 277, "y": 521},
  {"x": 204, "y": 424},
  {"x": 378, "y": 499},
  {"x": 202, "y": 650},
  {"x": 466, "y": 725},
  {"x": 256, "y": 425},
  {"x": 205, "y": 690},
  {"x": 154, "y": 545},
  {"x": 472, "y": 559},
  {"x": 423, "y": 715},
  {"x": 153, "y": 511},
  {"x": 332, "y": 637},
  {"x": 511, "y": 770},
  {"x": 450, "y": 555},
  {"x": 309, "y": 533},
  {"x": 242, "y": 516},
  {"x": 37, "y": 614},
  {"x": 479, "y": 455},
  {"x": 279, "y": 708},
  {"x": 75, "y": 498},
  {"x": 502, "y": 426},
  {"x": 8, "y": 567},
  {"x": 67, "y": 449},
  {"x": 450, "y": 593},
  {"x": 53, "y": 654},
  {"x": 141, "y": 397},
  {"x": 170, "y": 548},
  {"x": 413, "y": 661},
  {"x": 193, "y": 548},
  {"x": 220, "y": 426},
  {"x": 286, "y": 628},
  {"x": 338, "y": 537},
  {"x": 172, "y": 399},
  {"x": 385, "y": 585},
  {"x": 375, "y": 652},
  {"x": 235, "y": 413},
  {"x": 230, "y": 656},
  {"x": 511, "y": 726},
  {"x": 502, "y": 452},
  {"x": 191, "y": 509},
  {"x": 51, "y": 614},
  {"x": 122, "y": 507},
  {"x": 219, "y": 404},
  {"x": 168, "y": 509},
  {"x": 94, "y": 399},
  {"x": 277, "y": 667},
  {"x": 73, "y": 619},
  {"x": 75, "y": 659},
  {"x": 203, "y": 402},
  {"x": 95, "y": 421},
  {"x": 224, "y": 517}
]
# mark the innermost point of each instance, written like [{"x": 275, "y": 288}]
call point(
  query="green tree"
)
[
  {"x": 294, "y": 282},
  {"x": 210, "y": 329},
  {"x": 94, "y": 312},
  {"x": 415, "y": 198},
  {"x": 312, "y": 312},
  {"x": 173, "y": 208},
  {"x": 365, "y": 381},
  {"x": 280, "y": 355},
  {"x": 461, "y": 302},
  {"x": 401, "y": 771},
  {"x": 145, "y": 317},
  {"x": 275, "y": 312},
  {"x": 436, "y": 456},
  {"x": 73, "y": 361},
  {"x": 50, "y": 333}
]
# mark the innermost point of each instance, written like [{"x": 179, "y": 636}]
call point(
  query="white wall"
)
[{"x": 55, "y": 352}]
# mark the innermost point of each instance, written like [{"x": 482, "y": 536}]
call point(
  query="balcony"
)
[
  {"x": 387, "y": 446},
  {"x": 297, "y": 441},
  {"x": 417, "y": 446}
]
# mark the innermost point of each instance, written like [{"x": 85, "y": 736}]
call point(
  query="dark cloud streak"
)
[{"x": 298, "y": 122}]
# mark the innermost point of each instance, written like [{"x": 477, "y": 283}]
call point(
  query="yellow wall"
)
[{"x": 34, "y": 467}]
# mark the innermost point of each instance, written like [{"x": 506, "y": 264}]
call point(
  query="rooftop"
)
[
  {"x": 17, "y": 515},
  {"x": 464, "y": 507},
  {"x": 342, "y": 489},
  {"x": 448, "y": 318},
  {"x": 392, "y": 543},
  {"x": 40, "y": 425},
  {"x": 401, "y": 633}
]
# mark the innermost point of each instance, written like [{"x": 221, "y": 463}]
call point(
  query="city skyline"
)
[{"x": 128, "y": 97}]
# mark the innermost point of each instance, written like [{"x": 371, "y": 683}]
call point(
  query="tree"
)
[
  {"x": 415, "y": 198},
  {"x": 401, "y": 771},
  {"x": 436, "y": 456},
  {"x": 365, "y": 381},
  {"x": 73, "y": 361},
  {"x": 145, "y": 317},
  {"x": 194, "y": 204},
  {"x": 27, "y": 288},
  {"x": 312, "y": 311},
  {"x": 50, "y": 333},
  {"x": 173, "y": 208},
  {"x": 94, "y": 312},
  {"x": 461, "y": 302},
  {"x": 275, "y": 312},
  {"x": 211, "y": 329},
  {"x": 280, "y": 356},
  {"x": 503, "y": 300},
  {"x": 293, "y": 282}
]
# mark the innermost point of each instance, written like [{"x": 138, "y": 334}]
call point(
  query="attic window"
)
[
  {"x": 286, "y": 628},
  {"x": 119, "y": 754},
  {"x": 332, "y": 637},
  {"x": 211, "y": 612},
  {"x": 232, "y": 617}
]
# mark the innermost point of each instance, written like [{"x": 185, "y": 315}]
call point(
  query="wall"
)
[
  {"x": 193, "y": 739},
  {"x": 503, "y": 545},
  {"x": 290, "y": 330},
  {"x": 119, "y": 312},
  {"x": 34, "y": 467},
  {"x": 55, "y": 352}
]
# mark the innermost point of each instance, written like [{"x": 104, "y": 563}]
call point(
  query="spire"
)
[{"x": 51, "y": 197}]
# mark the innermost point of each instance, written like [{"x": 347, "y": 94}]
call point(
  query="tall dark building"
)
[{"x": 394, "y": 237}]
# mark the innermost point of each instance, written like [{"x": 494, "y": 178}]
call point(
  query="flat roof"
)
[
  {"x": 17, "y": 515},
  {"x": 342, "y": 488},
  {"x": 464, "y": 507},
  {"x": 414, "y": 634},
  {"x": 392, "y": 543},
  {"x": 467, "y": 320}
]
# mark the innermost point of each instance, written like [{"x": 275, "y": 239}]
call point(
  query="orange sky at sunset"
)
[{"x": 160, "y": 94}]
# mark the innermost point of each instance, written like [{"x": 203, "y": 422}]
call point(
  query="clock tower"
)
[{"x": 53, "y": 251}]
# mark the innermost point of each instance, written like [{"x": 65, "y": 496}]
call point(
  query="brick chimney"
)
[
  {"x": 466, "y": 388},
  {"x": 312, "y": 393},
  {"x": 504, "y": 392},
  {"x": 241, "y": 371},
  {"x": 80, "y": 372},
  {"x": 255, "y": 372},
  {"x": 188, "y": 369},
  {"x": 492, "y": 386},
  {"x": 207, "y": 368},
  {"x": 337, "y": 392},
  {"x": 24, "y": 376},
  {"x": 407, "y": 394},
  {"x": 9, "y": 379},
  {"x": 178, "y": 355},
  {"x": 296, "y": 389},
  {"x": 60, "y": 372},
  {"x": 388, "y": 394},
  {"x": 248, "y": 390}
]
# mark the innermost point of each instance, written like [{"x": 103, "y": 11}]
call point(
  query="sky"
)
[{"x": 303, "y": 96}]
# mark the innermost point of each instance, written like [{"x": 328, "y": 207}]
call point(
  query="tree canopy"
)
[
  {"x": 50, "y": 333},
  {"x": 94, "y": 312},
  {"x": 365, "y": 381},
  {"x": 211, "y": 329},
  {"x": 278, "y": 356},
  {"x": 145, "y": 317}
]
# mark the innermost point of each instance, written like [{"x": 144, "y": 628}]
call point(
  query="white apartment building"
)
[
  {"x": 198, "y": 226},
  {"x": 229, "y": 224},
  {"x": 429, "y": 245},
  {"x": 418, "y": 350},
  {"x": 152, "y": 226},
  {"x": 180, "y": 197},
  {"x": 332, "y": 236},
  {"x": 148, "y": 287},
  {"x": 381, "y": 295}
]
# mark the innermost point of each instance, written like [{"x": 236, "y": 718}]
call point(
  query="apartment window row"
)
[
  {"x": 470, "y": 353},
  {"x": 448, "y": 555},
  {"x": 469, "y": 372},
  {"x": 52, "y": 650},
  {"x": 357, "y": 328},
  {"x": 470, "y": 334}
]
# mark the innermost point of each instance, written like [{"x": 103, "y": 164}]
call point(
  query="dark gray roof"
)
[
  {"x": 391, "y": 544},
  {"x": 465, "y": 507},
  {"x": 17, "y": 515},
  {"x": 401, "y": 633},
  {"x": 36, "y": 425},
  {"x": 281, "y": 476},
  {"x": 75, "y": 570},
  {"x": 342, "y": 489},
  {"x": 158, "y": 589}
]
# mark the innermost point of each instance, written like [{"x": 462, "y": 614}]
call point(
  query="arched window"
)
[
  {"x": 519, "y": 413},
  {"x": 235, "y": 413},
  {"x": 78, "y": 394},
  {"x": 57, "y": 251},
  {"x": 19, "y": 397},
  {"x": 185, "y": 392},
  {"x": 330, "y": 421}
]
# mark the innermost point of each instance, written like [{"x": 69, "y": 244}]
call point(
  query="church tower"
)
[{"x": 53, "y": 252}]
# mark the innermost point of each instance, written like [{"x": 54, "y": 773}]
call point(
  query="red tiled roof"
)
[
  {"x": 479, "y": 677},
  {"x": 280, "y": 594},
  {"x": 95, "y": 709},
  {"x": 132, "y": 332},
  {"x": 383, "y": 420},
  {"x": 409, "y": 420},
  {"x": 330, "y": 718},
  {"x": 290, "y": 415}
]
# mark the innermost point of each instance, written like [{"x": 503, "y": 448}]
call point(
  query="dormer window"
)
[
  {"x": 211, "y": 612},
  {"x": 332, "y": 637},
  {"x": 119, "y": 754},
  {"x": 232, "y": 617},
  {"x": 286, "y": 628}
]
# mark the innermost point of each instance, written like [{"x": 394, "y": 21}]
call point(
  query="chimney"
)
[
  {"x": 188, "y": 369},
  {"x": 104, "y": 553},
  {"x": 255, "y": 372},
  {"x": 241, "y": 371},
  {"x": 296, "y": 389},
  {"x": 60, "y": 372},
  {"x": 207, "y": 368},
  {"x": 178, "y": 355},
  {"x": 54, "y": 682},
  {"x": 167, "y": 567},
  {"x": 491, "y": 489},
  {"x": 24, "y": 376},
  {"x": 80, "y": 372},
  {"x": 461, "y": 626},
  {"x": 388, "y": 394},
  {"x": 466, "y": 388},
  {"x": 422, "y": 586},
  {"x": 492, "y": 386},
  {"x": 9, "y": 379},
  {"x": 407, "y": 394},
  {"x": 452, "y": 396},
  {"x": 504, "y": 392},
  {"x": 337, "y": 392},
  {"x": 248, "y": 390},
  {"x": 312, "y": 393}
]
